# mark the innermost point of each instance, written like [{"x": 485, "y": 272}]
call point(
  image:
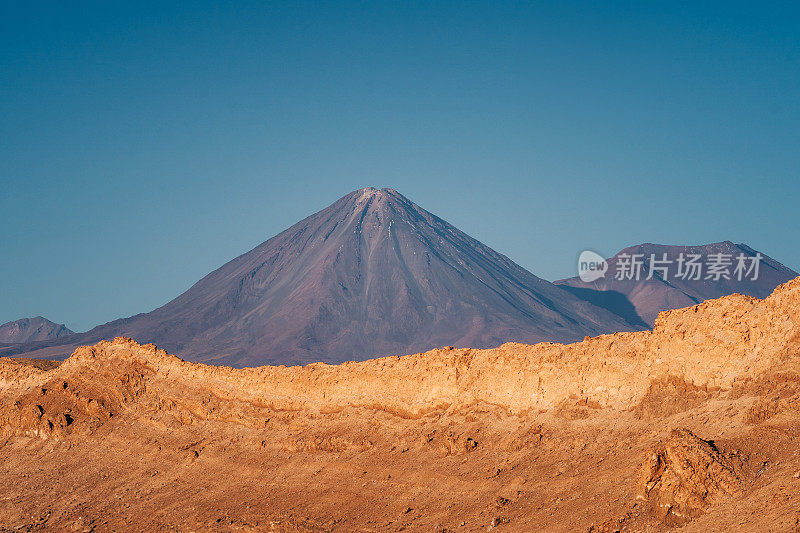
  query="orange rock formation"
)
[{"x": 690, "y": 424}]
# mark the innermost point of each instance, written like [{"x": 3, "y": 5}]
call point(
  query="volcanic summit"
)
[{"x": 372, "y": 274}]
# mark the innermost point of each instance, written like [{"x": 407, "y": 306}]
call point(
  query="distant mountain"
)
[
  {"x": 31, "y": 329},
  {"x": 639, "y": 300},
  {"x": 370, "y": 275}
]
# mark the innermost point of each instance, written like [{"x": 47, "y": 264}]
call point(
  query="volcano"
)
[{"x": 372, "y": 274}]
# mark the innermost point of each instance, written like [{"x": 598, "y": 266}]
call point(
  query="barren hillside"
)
[
  {"x": 692, "y": 424},
  {"x": 32, "y": 329}
]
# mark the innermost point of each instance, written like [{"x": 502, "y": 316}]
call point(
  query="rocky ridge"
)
[{"x": 682, "y": 425}]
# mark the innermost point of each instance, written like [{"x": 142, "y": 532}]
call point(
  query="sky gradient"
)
[{"x": 143, "y": 145}]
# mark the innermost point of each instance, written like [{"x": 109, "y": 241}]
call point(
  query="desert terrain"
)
[{"x": 693, "y": 425}]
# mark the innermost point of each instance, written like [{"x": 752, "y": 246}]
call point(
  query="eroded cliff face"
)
[
  {"x": 643, "y": 430},
  {"x": 712, "y": 346}
]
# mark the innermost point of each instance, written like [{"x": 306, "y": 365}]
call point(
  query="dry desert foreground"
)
[{"x": 693, "y": 425}]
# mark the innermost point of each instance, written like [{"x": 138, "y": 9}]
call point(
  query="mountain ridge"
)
[
  {"x": 640, "y": 300},
  {"x": 372, "y": 274},
  {"x": 31, "y": 329},
  {"x": 375, "y": 274}
]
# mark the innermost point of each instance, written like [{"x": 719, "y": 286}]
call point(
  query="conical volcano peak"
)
[
  {"x": 367, "y": 194},
  {"x": 373, "y": 194},
  {"x": 383, "y": 204},
  {"x": 371, "y": 274},
  {"x": 376, "y": 190}
]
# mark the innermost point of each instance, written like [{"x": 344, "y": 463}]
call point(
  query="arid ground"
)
[{"x": 695, "y": 424}]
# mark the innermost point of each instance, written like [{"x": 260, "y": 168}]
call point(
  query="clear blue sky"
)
[{"x": 143, "y": 145}]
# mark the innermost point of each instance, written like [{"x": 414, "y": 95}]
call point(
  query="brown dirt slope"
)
[{"x": 694, "y": 424}]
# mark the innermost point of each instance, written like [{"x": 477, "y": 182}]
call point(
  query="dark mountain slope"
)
[
  {"x": 31, "y": 329},
  {"x": 640, "y": 300}
]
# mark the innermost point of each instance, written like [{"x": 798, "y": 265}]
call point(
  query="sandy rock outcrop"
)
[
  {"x": 684, "y": 475},
  {"x": 55, "y": 403},
  {"x": 557, "y": 433},
  {"x": 711, "y": 346}
]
